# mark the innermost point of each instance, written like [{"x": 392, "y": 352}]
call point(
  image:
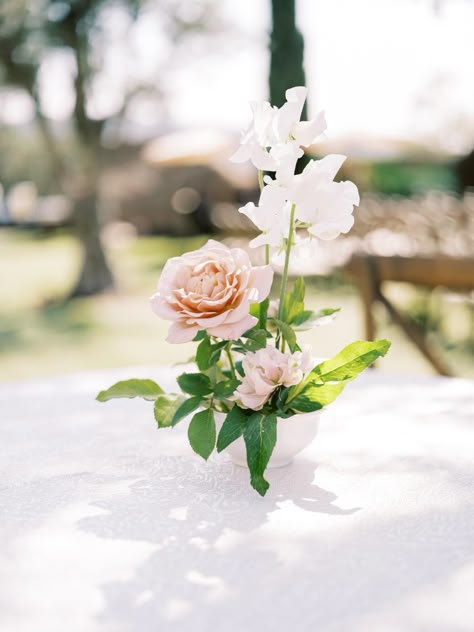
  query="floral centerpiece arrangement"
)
[{"x": 253, "y": 382}]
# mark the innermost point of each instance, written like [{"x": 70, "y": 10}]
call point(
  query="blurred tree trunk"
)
[
  {"x": 95, "y": 274},
  {"x": 286, "y": 52}
]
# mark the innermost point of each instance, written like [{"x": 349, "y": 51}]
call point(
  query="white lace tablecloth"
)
[{"x": 108, "y": 525}]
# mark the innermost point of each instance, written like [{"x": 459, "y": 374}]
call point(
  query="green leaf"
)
[
  {"x": 200, "y": 335},
  {"x": 260, "y": 437},
  {"x": 308, "y": 318},
  {"x": 294, "y": 301},
  {"x": 186, "y": 408},
  {"x": 351, "y": 361},
  {"x": 326, "y": 312},
  {"x": 203, "y": 354},
  {"x": 216, "y": 351},
  {"x": 287, "y": 333},
  {"x": 208, "y": 354},
  {"x": 225, "y": 389},
  {"x": 195, "y": 383},
  {"x": 165, "y": 409},
  {"x": 232, "y": 428},
  {"x": 262, "y": 314},
  {"x": 315, "y": 396},
  {"x": 254, "y": 310},
  {"x": 256, "y": 339},
  {"x": 147, "y": 389},
  {"x": 302, "y": 317},
  {"x": 202, "y": 433}
]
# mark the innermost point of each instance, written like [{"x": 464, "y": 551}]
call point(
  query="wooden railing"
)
[{"x": 370, "y": 272}]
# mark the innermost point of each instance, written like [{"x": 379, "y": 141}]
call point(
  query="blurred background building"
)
[{"x": 117, "y": 118}]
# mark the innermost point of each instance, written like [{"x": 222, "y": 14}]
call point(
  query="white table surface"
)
[{"x": 109, "y": 525}]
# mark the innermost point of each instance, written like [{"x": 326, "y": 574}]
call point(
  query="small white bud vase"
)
[{"x": 293, "y": 435}]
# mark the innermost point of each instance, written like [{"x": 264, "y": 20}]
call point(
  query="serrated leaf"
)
[
  {"x": 195, "y": 383},
  {"x": 203, "y": 354},
  {"x": 202, "y": 433},
  {"x": 260, "y": 437},
  {"x": 351, "y": 361},
  {"x": 315, "y": 396},
  {"x": 186, "y": 408},
  {"x": 208, "y": 354},
  {"x": 147, "y": 389},
  {"x": 256, "y": 339},
  {"x": 216, "y": 350},
  {"x": 165, "y": 408},
  {"x": 232, "y": 428},
  {"x": 225, "y": 389},
  {"x": 200, "y": 335}
]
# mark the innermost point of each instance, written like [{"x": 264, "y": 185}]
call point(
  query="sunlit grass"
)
[{"x": 41, "y": 335}]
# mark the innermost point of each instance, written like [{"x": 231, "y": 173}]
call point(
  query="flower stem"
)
[
  {"x": 231, "y": 361},
  {"x": 263, "y": 304},
  {"x": 284, "y": 279}
]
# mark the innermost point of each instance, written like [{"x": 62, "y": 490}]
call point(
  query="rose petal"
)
[
  {"x": 179, "y": 332},
  {"x": 233, "y": 331},
  {"x": 262, "y": 281}
]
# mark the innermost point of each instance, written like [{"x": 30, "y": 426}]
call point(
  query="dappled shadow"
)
[
  {"x": 199, "y": 516},
  {"x": 219, "y": 546}
]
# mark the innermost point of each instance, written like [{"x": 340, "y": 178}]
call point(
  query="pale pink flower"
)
[
  {"x": 210, "y": 289},
  {"x": 264, "y": 371}
]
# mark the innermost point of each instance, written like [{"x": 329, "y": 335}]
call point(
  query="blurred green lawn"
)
[{"x": 41, "y": 335}]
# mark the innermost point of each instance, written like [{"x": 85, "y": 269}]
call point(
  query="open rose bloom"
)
[
  {"x": 249, "y": 373},
  {"x": 210, "y": 290}
]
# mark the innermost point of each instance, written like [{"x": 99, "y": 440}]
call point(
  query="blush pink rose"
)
[
  {"x": 210, "y": 289},
  {"x": 265, "y": 370}
]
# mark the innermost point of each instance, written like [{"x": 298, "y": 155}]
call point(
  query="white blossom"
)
[
  {"x": 257, "y": 138},
  {"x": 287, "y": 122},
  {"x": 271, "y": 216},
  {"x": 323, "y": 205},
  {"x": 272, "y": 140}
]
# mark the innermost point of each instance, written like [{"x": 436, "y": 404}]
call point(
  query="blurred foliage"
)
[
  {"x": 30, "y": 31},
  {"x": 39, "y": 335},
  {"x": 409, "y": 178}
]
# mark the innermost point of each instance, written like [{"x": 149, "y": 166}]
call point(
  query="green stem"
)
[
  {"x": 231, "y": 361},
  {"x": 263, "y": 304},
  {"x": 284, "y": 279}
]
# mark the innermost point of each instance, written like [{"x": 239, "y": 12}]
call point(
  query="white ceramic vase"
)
[{"x": 293, "y": 435}]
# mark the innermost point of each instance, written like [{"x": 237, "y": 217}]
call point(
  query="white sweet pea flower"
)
[
  {"x": 286, "y": 156},
  {"x": 324, "y": 205},
  {"x": 287, "y": 120},
  {"x": 273, "y": 138},
  {"x": 257, "y": 138},
  {"x": 271, "y": 216}
]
